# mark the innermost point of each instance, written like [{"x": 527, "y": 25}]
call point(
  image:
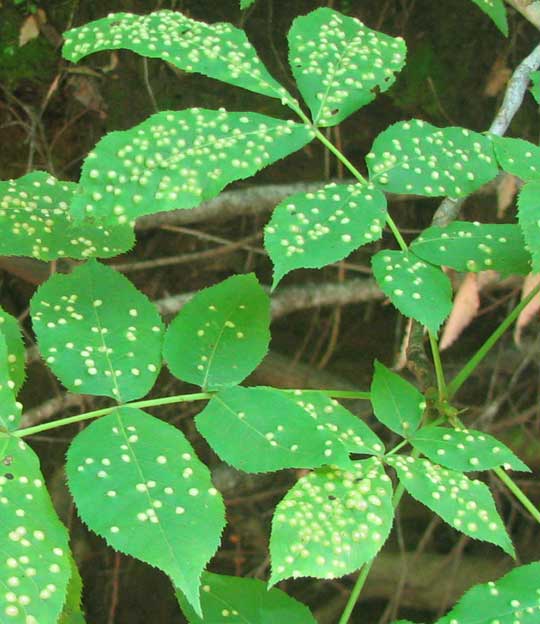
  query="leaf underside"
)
[{"x": 137, "y": 482}]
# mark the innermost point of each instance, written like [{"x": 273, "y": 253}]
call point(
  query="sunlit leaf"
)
[
  {"x": 511, "y": 599},
  {"x": 219, "y": 50},
  {"x": 35, "y": 222},
  {"x": 465, "y": 449},
  {"x": 221, "y": 335},
  {"x": 417, "y": 158},
  {"x": 474, "y": 247},
  {"x": 243, "y": 601},
  {"x": 11, "y": 330},
  {"x": 496, "y": 11},
  {"x": 98, "y": 333},
  {"x": 331, "y": 522},
  {"x": 264, "y": 429},
  {"x": 177, "y": 159},
  {"x": 137, "y": 482},
  {"x": 529, "y": 219},
  {"x": 466, "y": 504},
  {"x": 417, "y": 289},
  {"x": 339, "y": 64},
  {"x": 311, "y": 230},
  {"x": 396, "y": 402},
  {"x": 518, "y": 157},
  {"x": 35, "y": 560}
]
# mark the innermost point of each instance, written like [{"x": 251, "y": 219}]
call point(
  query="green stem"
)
[
  {"x": 348, "y": 164},
  {"x": 518, "y": 493},
  {"x": 470, "y": 366},
  {"x": 441, "y": 383}
]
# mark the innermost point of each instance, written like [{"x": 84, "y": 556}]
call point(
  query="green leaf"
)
[
  {"x": 98, "y": 333},
  {"x": 511, "y": 599},
  {"x": 218, "y": 50},
  {"x": 178, "y": 159},
  {"x": 529, "y": 219},
  {"x": 465, "y": 504},
  {"x": 496, "y": 11},
  {"x": 417, "y": 289},
  {"x": 351, "y": 431},
  {"x": 311, "y": 230},
  {"x": 475, "y": 247},
  {"x": 137, "y": 482},
  {"x": 396, "y": 402},
  {"x": 243, "y": 601},
  {"x": 10, "y": 409},
  {"x": 35, "y": 222},
  {"x": 535, "y": 86},
  {"x": 72, "y": 612},
  {"x": 465, "y": 449},
  {"x": 331, "y": 522},
  {"x": 245, "y": 4},
  {"x": 518, "y": 157},
  {"x": 221, "y": 335},
  {"x": 417, "y": 158},
  {"x": 339, "y": 64},
  {"x": 264, "y": 429},
  {"x": 36, "y": 565},
  {"x": 10, "y": 328}
]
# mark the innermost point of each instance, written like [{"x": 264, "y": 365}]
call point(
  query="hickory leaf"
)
[
  {"x": 417, "y": 289},
  {"x": 35, "y": 562},
  {"x": 496, "y": 11},
  {"x": 178, "y": 159},
  {"x": 417, "y": 158},
  {"x": 35, "y": 222},
  {"x": 518, "y": 157},
  {"x": 219, "y": 50},
  {"x": 311, "y": 230},
  {"x": 98, "y": 333},
  {"x": 512, "y": 598},
  {"x": 340, "y": 64},
  {"x": 396, "y": 403},
  {"x": 529, "y": 219},
  {"x": 221, "y": 335},
  {"x": 278, "y": 432},
  {"x": 243, "y": 601},
  {"x": 475, "y": 247},
  {"x": 465, "y": 449},
  {"x": 331, "y": 522},
  {"x": 10, "y": 328},
  {"x": 465, "y": 504},
  {"x": 137, "y": 482}
]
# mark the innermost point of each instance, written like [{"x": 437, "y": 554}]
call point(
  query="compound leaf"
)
[
  {"x": 243, "y": 601},
  {"x": 331, "y": 522},
  {"x": 311, "y": 230},
  {"x": 465, "y": 504},
  {"x": 396, "y": 402},
  {"x": 98, "y": 333},
  {"x": 219, "y": 50},
  {"x": 513, "y": 598},
  {"x": 277, "y": 431},
  {"x": 35, "y": 221},
  {"x": 518, "y": 157},
  {"x": 465, "y": 449},
  {"x": 417, "y": 289},
  {"x": 417, "y": 158},
  {"x": 177, "y": 159},
  {"x": 137, "y": 482},
  {"x": 36, "y": 564},
  {"x": 221, "y": 335},
  {"x": 475, "y": 247},
  {"x": 339, "y": 64},
  {"x": 496, "y": 11},
  {"x": 529, "y": 219},
  {"x": 351, "y": 431},
  {"x": 10, "y": 409},
  {"x": 11, "y": 330}
]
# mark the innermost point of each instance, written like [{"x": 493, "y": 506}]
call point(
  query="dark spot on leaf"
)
[
  {"x": 331, "y": 497},
  {"x": 9, "y": 476},
  {"x": 334, "y": 111}
]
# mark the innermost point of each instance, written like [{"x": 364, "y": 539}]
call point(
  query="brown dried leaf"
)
[
  {"x": 498, "y": 76},
  {"x": 531, "y": 310},
  {"x": 507, "y": 188},
  {"x": 29, "y": 30},
  {"x": 466, "y": 305}
]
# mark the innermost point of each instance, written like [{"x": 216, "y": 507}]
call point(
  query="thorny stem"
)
[{"x": 179, "y": 398}]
